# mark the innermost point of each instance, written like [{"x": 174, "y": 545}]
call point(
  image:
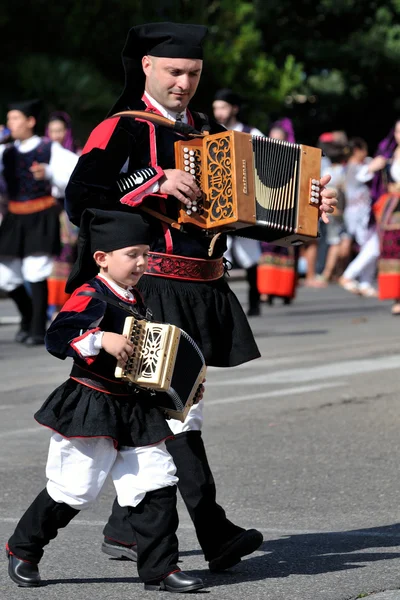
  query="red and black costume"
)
[{"x": 120, "y": 168}]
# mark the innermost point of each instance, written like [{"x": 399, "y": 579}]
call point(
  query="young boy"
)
[{"x": 100, "y": 426}]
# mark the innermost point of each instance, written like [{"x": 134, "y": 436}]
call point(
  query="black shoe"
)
[
  {"x": 25, "y": 574},
  {"x": 120, "y": 551},
  {"x": 243, "y": 544},
  {"x": 34, "y": 340},
  {"x": 21, "y": 336},
  {"x": 179, "y": 583}
]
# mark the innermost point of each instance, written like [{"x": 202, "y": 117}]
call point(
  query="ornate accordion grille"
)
[
  {"x": 219, "y": 179},
  {"x": 152, "y": 347}
]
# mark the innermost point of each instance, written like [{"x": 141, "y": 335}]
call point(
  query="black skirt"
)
[
  {"x": 208, "y": 311},
  {"x": 36, "y": 233},
  {"x": 76, "y": 410}
]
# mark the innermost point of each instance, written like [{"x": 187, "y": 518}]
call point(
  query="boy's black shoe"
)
[
  {"x": 25, "y": 574},
  {"x": 117, "y": 550},
  {"x": 243, "y": 544},
  {"x": 178, "y": 583}
]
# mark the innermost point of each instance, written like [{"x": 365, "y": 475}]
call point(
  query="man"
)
[
  {"x": 29, "y": 232},
  {"x": 226, "y": 108},
  {"x": 129, "y": 164}
]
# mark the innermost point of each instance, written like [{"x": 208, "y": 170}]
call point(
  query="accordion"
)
[
  {"x": 262, "y": 188},
  {"x": 166, "y": 360}
]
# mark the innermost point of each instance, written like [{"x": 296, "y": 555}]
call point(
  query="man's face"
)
[
  {"x": 172, "y": 81},
  {"x": 20, "y": 126},
  {"x": 224, "y": 112}
]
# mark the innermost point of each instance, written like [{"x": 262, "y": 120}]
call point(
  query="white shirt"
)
[
  {"x": 167, "y": 113},
  {"x": 62, "y": 161}
]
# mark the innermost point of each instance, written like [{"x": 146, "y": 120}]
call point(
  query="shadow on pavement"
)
[{"x": 310, "y": 554}]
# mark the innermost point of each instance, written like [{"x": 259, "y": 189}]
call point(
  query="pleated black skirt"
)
[
  {"x": 75, "y": 410},
  {"x": 36, "y": 233},
  {"x": 208, "y": 311}
]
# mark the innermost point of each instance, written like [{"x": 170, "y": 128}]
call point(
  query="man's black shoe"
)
[
  {"x": 243, "y": 544},
  {"x": 25, "y": 574},
  {"x": 34, "y": 340},
  {"x": 117, "y": 550},
  {"x": 178, "y": 583}
]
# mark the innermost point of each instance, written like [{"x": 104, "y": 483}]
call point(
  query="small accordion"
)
[
  {"x": 262, "y": 188},
  {"x": 166, "y": 360}
]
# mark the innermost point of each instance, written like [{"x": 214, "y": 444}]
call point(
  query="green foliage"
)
[{"x": 341, "y": 56}]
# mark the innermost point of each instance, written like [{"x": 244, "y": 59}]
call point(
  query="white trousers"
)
[
  {"x": 77, "y": 469},
  {"x": 14, "y": 271},
  {"x": 193, "y": 421},
  {"x": 363, "y": 267}
]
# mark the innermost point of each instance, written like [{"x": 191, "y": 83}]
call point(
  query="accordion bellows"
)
[
  {"x": 166, "y": 360},
  {"x": 266, "y": 189}
]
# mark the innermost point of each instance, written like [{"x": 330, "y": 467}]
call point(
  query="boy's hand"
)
[{"x": 117, "y": 345}]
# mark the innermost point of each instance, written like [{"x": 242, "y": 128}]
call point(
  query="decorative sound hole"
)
[
  {"x": 219, "y": 162},
  {"x": 151, "y": 352}
]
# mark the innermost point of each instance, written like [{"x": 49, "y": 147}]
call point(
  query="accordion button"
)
[
  {"x": 187, "y": 169},
  {"x": 191, "y": 152},
  {"x": 186, "y": 149}
]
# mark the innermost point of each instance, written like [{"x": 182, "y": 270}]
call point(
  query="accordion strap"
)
[
  {"x": 129, "y": 309},
  {"x": 178, "y": 126}
]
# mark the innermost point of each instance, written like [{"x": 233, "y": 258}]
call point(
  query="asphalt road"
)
[{"x": 304, "y": 445}]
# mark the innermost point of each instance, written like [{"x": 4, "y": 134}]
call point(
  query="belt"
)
[
  {"x": 184, "y": 268},
  {"x": 28, "y": 207},
  {"x": 99, "y": 383}
]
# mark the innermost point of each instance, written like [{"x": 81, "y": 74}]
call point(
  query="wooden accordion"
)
[
  {"x": 264, "y": 188},
  {"x": 165, "y": 360}
]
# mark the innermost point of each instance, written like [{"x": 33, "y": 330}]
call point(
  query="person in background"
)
[
  {"x": 384, "y": 170},
  {"x": 359, "y": 275},
  {"x": 277, "y": 268},
  {"x": 30, "y": 231},
  {"x": 59, "y": 129},
  {"x": 227, "y": 106}
]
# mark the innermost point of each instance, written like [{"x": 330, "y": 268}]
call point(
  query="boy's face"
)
[
  {"x": 124, "y": 266},
  {"x": 20, "y": 126}
]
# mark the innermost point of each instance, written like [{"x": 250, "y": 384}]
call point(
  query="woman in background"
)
[
  {"x": 59, "y": 129},
  {"x": 277, "y": 267}
]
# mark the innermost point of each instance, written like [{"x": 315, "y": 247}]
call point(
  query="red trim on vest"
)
[
  {"x": 100, "y": 135},
  {"x": 104, "y": 280},
  {"x": 78, "y": 303}
]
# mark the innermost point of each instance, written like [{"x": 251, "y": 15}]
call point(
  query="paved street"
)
[{"x": 304, "y": 444}]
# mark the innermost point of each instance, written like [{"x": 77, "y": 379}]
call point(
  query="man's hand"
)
[
  {"x": 328, "y": 199},
  {"x": 117, "y": 345},
  {"x": 181, "y": 185},
  {"x": 38, "y": 170}
]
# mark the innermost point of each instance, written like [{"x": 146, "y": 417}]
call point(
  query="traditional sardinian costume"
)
[
  {"x": 101, "y": 426},
  {"x": 120, "y": 168},
  {"x": 30, "y": 230}
]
